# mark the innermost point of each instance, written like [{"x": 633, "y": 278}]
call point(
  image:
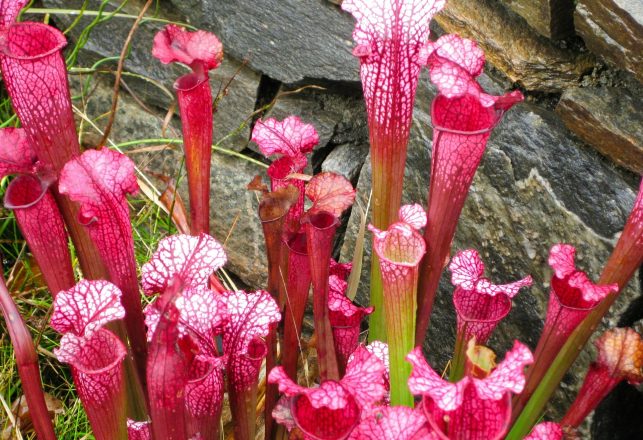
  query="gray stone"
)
[
  {"x": 613, "y": 30},
  {"x": 235, "y": 220},
  {"x": 236, "y": 106},
  {"x": 536, "y": 186},
  {"x": 288, "y": 40},
  {"x": 152, "y": 81},
  {"x": 347, "y": 160},
  {"x": 513, "y": 47},
  {"x": 338, "y": 118},
  {"x": 324, "y": 110},
  {"x": 609, "y": 119},
  {"x": 134, "y": 121},
  {"x": 551, "y": 18},
  {"x": 233, "y": 209}
]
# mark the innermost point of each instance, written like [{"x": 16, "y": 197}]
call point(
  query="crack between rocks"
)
[{"x": 267, "y": 91}]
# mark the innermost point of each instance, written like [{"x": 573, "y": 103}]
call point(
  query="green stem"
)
[
  {"x": 387, "y": 166},
  {"x": 554, "y": 375},
  {"x": 401, "y": 336},
  {"x": 536, "y": 405},
  {"x": 377, "y": 320},
  {"x": 459, "y": 358},
  {"x": 400, "y": 252}
]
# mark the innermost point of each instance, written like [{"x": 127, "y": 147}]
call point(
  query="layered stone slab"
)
[
  {"x": 150, "y": 81},
  {"x": 609, "y": 119},
  {"x": 288, "y": 40},
  {"x": 551, "y": 18},
  {"x": 513, "y": 47},
  {"x": 613, "y": 29}
]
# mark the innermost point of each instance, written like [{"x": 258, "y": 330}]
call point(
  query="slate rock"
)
[
  {"x": 339, "y": 119},
  {"x": 609, "y": 119},
  {"x": 133, "y": 120},
  {"x": 235, "y": 219},
  {"x": 153, "y": 81},
  {"x": 233, "y": 209},
  {"x": 613, "y": 30},
  {"x": 324, "y": 110},
  {"x": 347, "y": 160},
  {"x": 551, "y": 18},
  {"x": 288, "y": 40},
  {"x": 513, "y": 47},
  {"x": 536, "y": 187}
]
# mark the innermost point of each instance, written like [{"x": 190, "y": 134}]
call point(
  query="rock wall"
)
[{"x": 561, "y": 167}]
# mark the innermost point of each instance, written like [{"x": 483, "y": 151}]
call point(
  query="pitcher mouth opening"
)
[
  {"x": 322, "y": 220},
  {"x": 24, "y": 192},
  {"x": 501, "y": 430},
  {"x": 389, "y": 249},
  {"x": 296, "y": 242},
  {"x": 112, "y": 354},
  {"x": 303, "y": 400},
  {"x": 31, "y": 41},
  {"x": 190, "y": 81},
  {"x": 468, "y": 315}
]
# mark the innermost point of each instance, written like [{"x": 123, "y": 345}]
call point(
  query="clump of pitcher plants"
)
[{"x": 165, "y": 371}]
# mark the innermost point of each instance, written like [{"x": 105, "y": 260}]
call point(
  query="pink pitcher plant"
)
[
  {"x": 572, "y": 297},
  {"x": 186, "y": 367},
  {"x": 391, "y": 38},
  {"x": 474, "y": 408},
  {"x": 35, "y": 209},
  {"x": 620, "y": 357},
  {"x": 35, "y": 76},
  {"x": 626, "y": 258},
  {"x": 463, "y": 116},
  {"x": 94, "y": 353},
  {"x": 197, "y": 340},
  {"x": 27, "y": 363},
  {"x": 202, "y": 51},
  {"x": 335, "y": 408},
  {"x": 273, "y": 212},
  {"x": 479, "y": 304},
  {"x": 331, "y": 194},
  {"x": 205, "y": 315},
  {"x": 99, "y": 180},
  {"x": 294, "y": 294},
  {"x": 400, "y": 249},
  {"x": 345, "y": 319},
  {"x": 291, "y": 141}
]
